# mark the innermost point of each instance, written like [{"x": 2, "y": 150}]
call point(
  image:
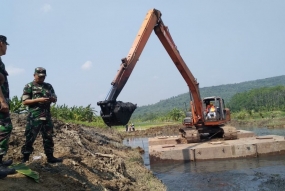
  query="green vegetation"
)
[
  {"x": 87, "y": 115},
  {"x": 78, "y": 115},
  {"x": 16, "y": 105},
  {"x": 175, "y": 114},
  {"x": 251, "y": 100},
  {"x": 261, "y": 99},
  {"x": 260, "y": 106},
  {"x": 257, "y": 115},
  {"x": 73, "y": 113},
  {"x": 225, "y": 91}
]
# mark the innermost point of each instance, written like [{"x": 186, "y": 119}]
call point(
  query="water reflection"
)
[
  {"x": 265, "y": 131},
  {"x": 233, "y": 174},
  {"x": 139, "y": 142}
]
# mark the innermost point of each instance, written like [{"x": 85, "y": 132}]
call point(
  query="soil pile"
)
[
  {"x": 94, "y": 159},
  {"x": 168, "y": 130}
]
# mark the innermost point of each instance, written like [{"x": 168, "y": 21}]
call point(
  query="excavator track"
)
[
  {"x": 189, "y": 135},
  {"x": 230, "y": 132}
]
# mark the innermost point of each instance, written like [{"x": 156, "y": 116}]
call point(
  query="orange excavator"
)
[{"x": 205, "y": 118}]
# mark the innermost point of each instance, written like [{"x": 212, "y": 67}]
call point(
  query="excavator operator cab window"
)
[
  {"x": 218, "y": 106},
  {"x": 206, "y": 106},
  {"x": 211, "y": 108}
]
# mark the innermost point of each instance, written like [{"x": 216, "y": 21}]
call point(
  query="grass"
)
[
  {"x": 271, "y": 119},
  {"x": 249, "y": 115}
]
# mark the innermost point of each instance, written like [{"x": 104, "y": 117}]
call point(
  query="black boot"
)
[
  {"x": 4, "y": 169},
  {"x": 25, "y": 158},
  {"x": 52, "y": 159},
  {"x": 2, "y": 174},
  {"x": 7, "y": 162}
]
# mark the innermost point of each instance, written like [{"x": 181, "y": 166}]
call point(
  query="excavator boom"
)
[{"x": 118, "y": 113}]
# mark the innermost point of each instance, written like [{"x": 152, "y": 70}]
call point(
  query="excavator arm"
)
[
  {"x": 118, "y": 113},
  {"x": 165, "y": 38}
]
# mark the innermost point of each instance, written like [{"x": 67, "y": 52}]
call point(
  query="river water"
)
[{"x": 249, "y": 174}]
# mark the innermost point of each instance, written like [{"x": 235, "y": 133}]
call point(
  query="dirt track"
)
[{"x": 94, "y": 159}]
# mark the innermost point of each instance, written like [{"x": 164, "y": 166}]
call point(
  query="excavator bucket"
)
[{"x": 116, "y": 113}]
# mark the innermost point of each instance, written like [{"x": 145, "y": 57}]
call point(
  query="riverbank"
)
[{"x": 94, "y": 159}]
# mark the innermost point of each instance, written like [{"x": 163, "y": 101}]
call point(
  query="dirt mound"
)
[
  {"x": 94, "y": 159},
  {"x": 168, "y": 130}
]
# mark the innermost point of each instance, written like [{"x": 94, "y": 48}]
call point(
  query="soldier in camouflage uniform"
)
[
  {"x": 38, "y": 96},
  {"x": 5, "y": 120}
]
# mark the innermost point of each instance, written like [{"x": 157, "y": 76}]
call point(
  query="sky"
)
[{"x": 81, "y": 44}]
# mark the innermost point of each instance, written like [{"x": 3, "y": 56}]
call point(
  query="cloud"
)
[
  {"x": 155, "y": 77},
  {"x": 46, "y": 8},
  {"x": 87, "y": 65},
  {"x": 14, "y": 71}
]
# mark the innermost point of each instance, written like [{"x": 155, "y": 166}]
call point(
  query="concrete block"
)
[{"x": 239, "y": 148}]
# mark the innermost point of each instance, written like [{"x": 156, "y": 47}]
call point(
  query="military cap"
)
[
  {"x": 3, "y": 39},
  {"x": 40, "y": 71}
]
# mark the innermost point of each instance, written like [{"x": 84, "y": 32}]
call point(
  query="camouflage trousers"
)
[
  {"x": 33, "y": 127},
  {"x": 5, "y": 132}
]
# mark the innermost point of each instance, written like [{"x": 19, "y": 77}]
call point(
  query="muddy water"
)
[{"x": 263, "y": 173}]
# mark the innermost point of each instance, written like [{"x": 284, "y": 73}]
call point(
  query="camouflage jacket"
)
[
  {"x": 34, "y": 90},
  {"x": 4, "y": 88}
]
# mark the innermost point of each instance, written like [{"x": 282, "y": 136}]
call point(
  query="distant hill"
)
[{"x": 224, "y": 91}]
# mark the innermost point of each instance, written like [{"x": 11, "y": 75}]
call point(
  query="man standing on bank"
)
[
  {"x": 38, "y": 96},
  {"x": 5, "y": 120}
]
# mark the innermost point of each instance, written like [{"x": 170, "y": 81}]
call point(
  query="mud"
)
[
  {"x": 94, "y": 159},
  {"x": 169, "y": 130}
]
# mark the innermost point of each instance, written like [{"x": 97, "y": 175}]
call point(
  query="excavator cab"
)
[
  {"x": 116, "y": 113},
  {"x": 214, "y": 109}
]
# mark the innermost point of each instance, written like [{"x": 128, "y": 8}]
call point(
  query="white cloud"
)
[
  {"x": 87, "y": 65},
  {"x": 14, "y": 71},
  {"x": 46, "y": 8},
  {"x": 155, "y": 77}
]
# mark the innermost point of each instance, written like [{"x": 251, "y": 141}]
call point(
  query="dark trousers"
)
[
  {"x": 5, "y": 132},
  {"x": 33, "y": 128}
]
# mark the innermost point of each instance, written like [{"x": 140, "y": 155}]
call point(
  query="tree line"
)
[
  {"x": 261, "y": 99},
  {"x": 226, "y": 92},
  {"x": 256, "y": 100}
]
